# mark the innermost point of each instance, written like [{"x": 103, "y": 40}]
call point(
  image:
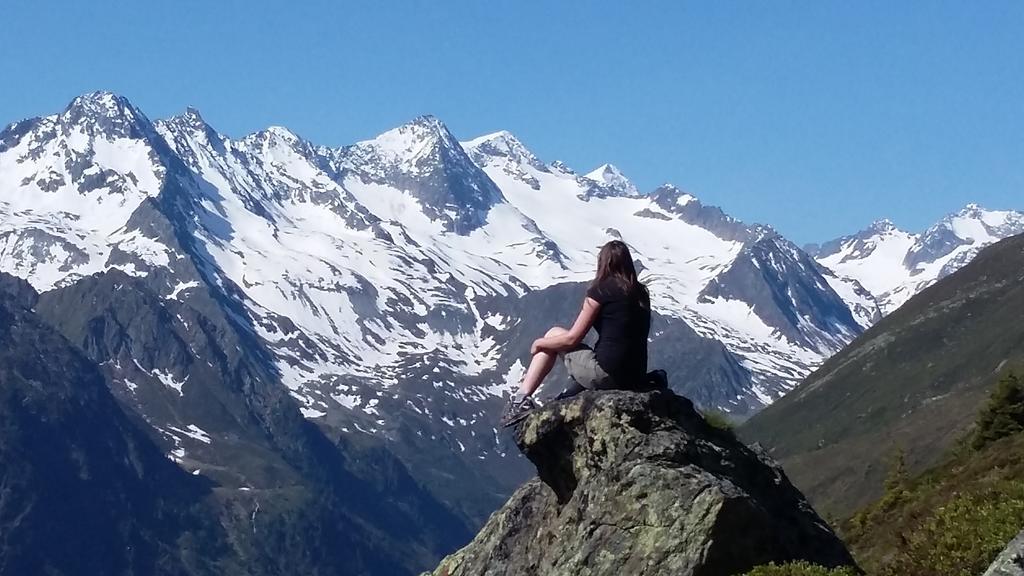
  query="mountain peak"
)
[
  {"x": 502, "y": 144},
  {"x": 881, "y": 229},
  {"x": 502, "y": 138},
  {"x": 609, "y": 175},
  {"x": 881, "y": 226},
  {"x": 101, "y": 102},
  {"x": 983, "y": 217},
  {"x": 425, "y": 125},
  {"x": 428, "y": 121},
  {"x": 562, "y": 167},
  {"x": 283, "y": 133},
  {"x": 606, "y": 172},
  {"x": 414, "y": 138},
  {"x": 975, "y": 224},
  {"x": 191, "y": 118},
  {"x": 504, "y": 135},
  {"x": 676, "y": 195},
  {"x": 972, "y": 210},
  {"x": 193, "y": 114},
  {"x": 432, "y": 166},
  {"x": 101, "y": 105},
  {"x": 276, "y": 136},
  {"x": 107, "y": 113},
  {"x": 190, "y": 124}
]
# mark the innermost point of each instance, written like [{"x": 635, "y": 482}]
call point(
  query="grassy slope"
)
[
  {"x": 913, "y": 381},
  {"x": 955, "y": 517},
  {"x": 952, "y": 520}
]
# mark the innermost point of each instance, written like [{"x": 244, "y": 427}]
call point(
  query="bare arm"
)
[{"x": 569, "y": 340}]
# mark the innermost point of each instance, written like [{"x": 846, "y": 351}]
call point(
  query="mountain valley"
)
[{"x": 335, "y": 327}]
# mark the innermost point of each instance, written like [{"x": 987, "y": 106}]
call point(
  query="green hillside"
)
[
  {"x": 913, "y": 383},
  {"x": 956, "y": 517},
  {"x": 951, "y": 520}
]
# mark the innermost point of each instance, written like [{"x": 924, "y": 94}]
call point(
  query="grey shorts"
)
[{"x": 581, "y": 362}]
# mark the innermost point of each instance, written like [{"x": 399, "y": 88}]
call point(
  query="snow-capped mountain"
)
[
  {"x": 613, "y": 180},
  {"x": 390, "y": 287},
  {"x": 685, "y": 247},
  {"x": 894, "y": 265},
  {"x": 69, "y": 184}
]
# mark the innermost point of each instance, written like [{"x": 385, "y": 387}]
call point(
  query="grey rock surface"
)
[
  {"x": 1011, "y": 561},
  {"x": 638, "y": 483}
]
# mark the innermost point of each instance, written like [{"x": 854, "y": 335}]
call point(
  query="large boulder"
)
[
  {"x": 638, "y": 483},
  {"x": 1011, "y": 561}
]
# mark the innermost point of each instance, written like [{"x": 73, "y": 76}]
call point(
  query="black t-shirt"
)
[{"x": 623, "y": 323}]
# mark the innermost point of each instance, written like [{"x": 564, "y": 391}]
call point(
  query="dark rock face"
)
[
  {"x": 787, "y": 290},
  {"x": 638, "y": 483},
  {"x": 937, "y": 242},
  {"x": 82, "y": 468},
  {"x": 702, "y": 369},
  {"x": 711, "y": 218},
  {"x": 293, "y": 500},
  {"x": 16, "y": 292},
  {"x": 441, "y": 175},
  {"x": 82, "y": 490},
  {"x": 859, "y": 245}
]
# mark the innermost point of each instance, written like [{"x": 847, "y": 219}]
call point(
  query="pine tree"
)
[{"x": 1003, "y": 415}]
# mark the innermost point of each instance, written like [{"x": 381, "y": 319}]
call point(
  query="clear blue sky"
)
[{"x": 816, "y": 117}]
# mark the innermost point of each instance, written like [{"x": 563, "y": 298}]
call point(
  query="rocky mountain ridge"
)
[
  {"x": 913, "y": 383},
  {"x": 389, "y": 288},
  {"x": 894, "y": 265},
  {"x": 260, "y": 489}
]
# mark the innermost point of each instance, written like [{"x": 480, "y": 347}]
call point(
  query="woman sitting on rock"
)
[{"x": 618, "y": 305}]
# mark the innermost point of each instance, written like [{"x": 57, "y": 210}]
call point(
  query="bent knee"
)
[{"x": 556, "y": 331}]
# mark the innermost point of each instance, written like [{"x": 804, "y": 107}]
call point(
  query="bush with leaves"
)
[
  {"x": 1003, "y": 415},
  {"x": 800, "y": 569},
  {"x": 962, "y": 537},
  {"x": 953, "y": 519},
  {"x": 894, "y": 494}
]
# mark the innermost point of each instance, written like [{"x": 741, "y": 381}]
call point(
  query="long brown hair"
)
[{"x": 615, "y": 263}]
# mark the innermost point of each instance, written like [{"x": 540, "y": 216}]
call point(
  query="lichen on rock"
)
[{"x": 638, "y": 483}]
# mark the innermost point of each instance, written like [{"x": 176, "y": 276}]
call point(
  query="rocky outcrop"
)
[
  {"x": 1011, "y": 561},
  {"x": 638, "y": 483}
]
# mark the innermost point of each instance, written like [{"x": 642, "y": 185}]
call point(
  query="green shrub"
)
[
  {"x": 962, "y": 537},
  {"x": 1003, "y": 415},
  {"x": 953, "y": 519},
  {"x": 800, "y": 569},
  {"x": 894, "y": 495}
]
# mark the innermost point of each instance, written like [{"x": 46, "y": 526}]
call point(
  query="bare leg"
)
[{"x": 540, "y": 366}]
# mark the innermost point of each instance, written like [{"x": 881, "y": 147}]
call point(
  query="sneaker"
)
[
  {"x": 572, "y": 390},
  {"x": 516, "y": 412}
]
